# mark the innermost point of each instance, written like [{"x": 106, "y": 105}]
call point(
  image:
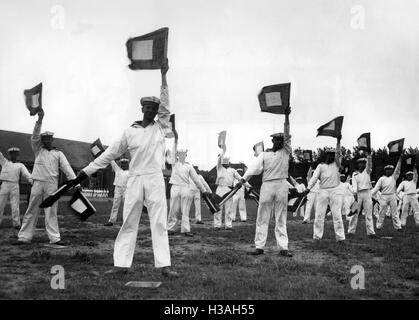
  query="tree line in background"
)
[{"x": 299, "y": 165}]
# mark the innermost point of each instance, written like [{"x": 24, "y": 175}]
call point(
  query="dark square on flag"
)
[
  {"x": 148, "y": 51},
  {"x": 275, "y": 98}
]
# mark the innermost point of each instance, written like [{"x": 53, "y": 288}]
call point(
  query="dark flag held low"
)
[
  {"x": 396, "y": 146},
  {"x": 212, "y": 206},
  {"x": 81, "y": 205},
  {"x": 332, "y": 128},
  {"x": 96, "y": 148},
  {"x": 275, "y": 98},
  {"x": 364, "y": 142},
  {"x": 297, "y": 201},
  {"x": 148, "y": 51},
  {"x": 33, "y": 99},
  {"x": 50, "y": 200}
]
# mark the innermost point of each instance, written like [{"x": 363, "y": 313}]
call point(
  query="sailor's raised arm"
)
[
  {"x": 164, "y": 108},
  {"x": 287, "y": 135},
  {"x": 338, "y": 154},
  {"x": 36, "y": 134},
  {"x": 117, "y": 149},
  {"x": 3, "y": 160},
  {"x": 369, "y": 163},
  {"x": 396, "y": 172}
]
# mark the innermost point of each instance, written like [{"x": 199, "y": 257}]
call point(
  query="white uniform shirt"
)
[
  {"x": 226, "y": 177},
  {"x": 387, "y": 185},
  {"x": 362, "y": 180},
  {"x": 409, "y": 187},
  {"x": 11, "y": 172},
  {"x": 48, "y": 162},
  {"x": 121, "y": 176},
  {"x": 327, "y": 174},
  {"x": 274, "y": 165},
  {"x": 145, "y": 145},
  {"x": 182, "y": 173}
]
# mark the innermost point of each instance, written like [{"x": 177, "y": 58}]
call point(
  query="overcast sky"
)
[{"x": 221, "y": 53}]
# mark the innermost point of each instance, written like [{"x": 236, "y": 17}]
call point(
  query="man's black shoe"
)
[
  {"x": 286, "y": 253},
  {"x": 256, "y": 252}
]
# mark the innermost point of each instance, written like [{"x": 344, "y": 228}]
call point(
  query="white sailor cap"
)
[
  {"x": 278, "y": 135},
  {"x": 389, "y": 166},
  {"x": 123, "y": 160},
  {"x": 342, "y": 175},
  {"x": 409, "y": 173},
  {"x": 47, "y": 134},
  {"x": 150, "y": 101},
  {"x": 13, "y": 149},
  {"x": 362, "y": 160},
  {"x": 226, "y": 160}
]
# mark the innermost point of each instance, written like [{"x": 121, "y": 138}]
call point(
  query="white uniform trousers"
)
[
  {"x": 273, "y": 196},
  {"x": 197, "y": 204},
  {"x": 118, "y": 197},
  {"x": 410, "y": 202},
  {"x": 10, "y": 190},
  {"x": 386, "y": 201},
  {"x": 240, "y": 202},
  {"x": 333, "y": 198},
  {"x": 347, "y": 202},
  {"x": 310, "y": 205},
  {"x": 364, "y": 201},
  {"x": 149, "y": 190},
  {"x": 226, "y": 208},
  {"x": 40, "y": 191},
  {"x": 180, "y": 200}
]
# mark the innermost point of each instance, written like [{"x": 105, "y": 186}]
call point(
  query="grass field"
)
[{"x": 213, "y": 264}]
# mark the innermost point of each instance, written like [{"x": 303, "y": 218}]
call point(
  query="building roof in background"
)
[{"x": 77, "y": 152}]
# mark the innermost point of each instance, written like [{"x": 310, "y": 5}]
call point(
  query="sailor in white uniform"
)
[
  {"x": 225, "y": 179},
  {"x": 11, "y": 172},
  {"x": 239, "y": 201},
  {"x": 274, "y": 164},
  {"x": 387, "y": 185},
  {"x": 197, "y": 196},
  {"x": 45, "y": 174},
  {"x": 145, "y": 141},
  {"x": 311, "y": 197},
  {"x": 120, "y": 183},
  {"x": 329, "y": 194},
  {"x": 410, "y": 201},
  {"x": 347, "y": 195},
  {"x": 181, "y": 194},
  {"x": 361, "y": 184}
]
